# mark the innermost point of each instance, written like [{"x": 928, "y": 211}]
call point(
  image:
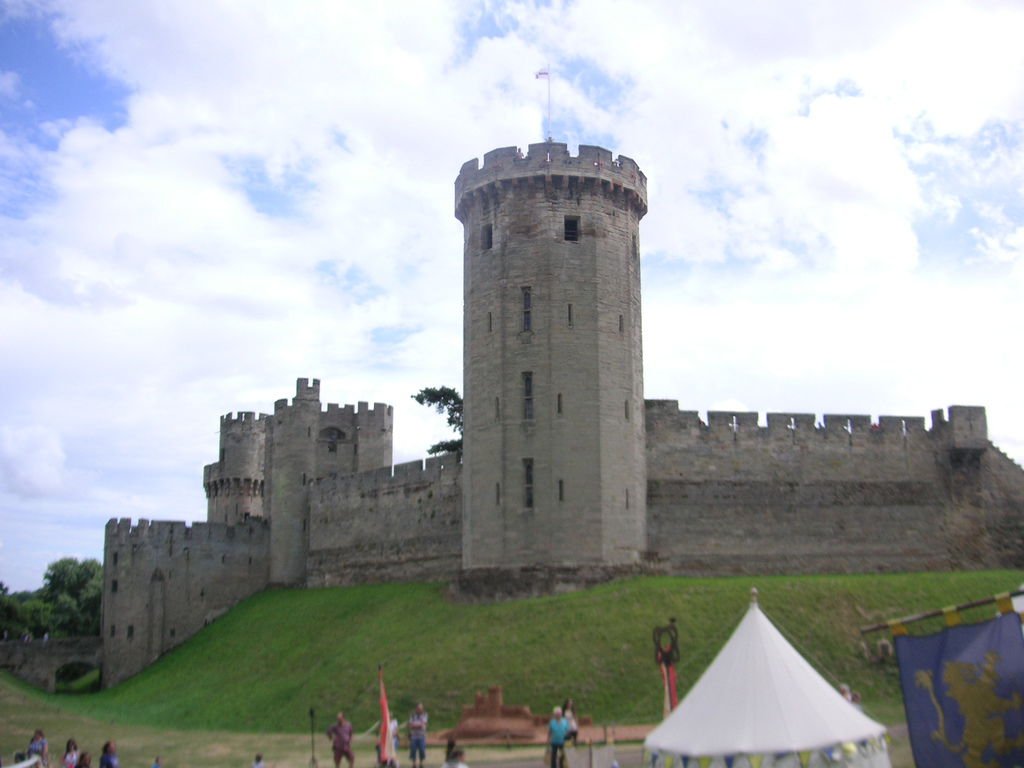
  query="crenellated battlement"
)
[
  {"x": 550, "y": 163},
  {"x": 232, "y": 487},
  {"x": 243, "y": 421},
  {"x": 123, "y": 532},
  {"x": 306, "y": 391},
  {"x": 966, "y": 424},
  {"x": 418, "y": 471},
  {"x": 361, "y": 415},
  {"x": 966, "y": 428}
]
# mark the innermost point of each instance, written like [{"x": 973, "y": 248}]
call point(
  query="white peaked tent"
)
[{"x": 760, "y": 704}]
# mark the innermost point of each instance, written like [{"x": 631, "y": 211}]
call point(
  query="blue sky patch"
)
[
  {"x": 595, "y": 83},
  {"x": 717, "y": 197},
  {"x": 272, "y": 197},
  {"x": 996, "y": 137},
  {"x": 54, "y": 83},
  {"x": 390, "y": 335},
  {"x": 354, "y": 281},
  {"x": 479, "y": 24}
]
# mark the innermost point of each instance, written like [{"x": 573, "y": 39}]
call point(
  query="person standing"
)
[
  {"x": 70, "y": 759},
  {"x": 569, "y": 713},
  {"x": 38, "y": 747},
  {"x": 108, "y": 759},
  {"x": 340, "y": 735},
  {"x": 558, "y": 729},
  {"x": 418, "y": 736},
  {"x": 393, "y": 733}
]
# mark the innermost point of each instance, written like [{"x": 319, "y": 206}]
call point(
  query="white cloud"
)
[
  {"x": 9, "y": 82},
  {"x": 31, "y": 461},
  {"x": 835, "y": 215}
]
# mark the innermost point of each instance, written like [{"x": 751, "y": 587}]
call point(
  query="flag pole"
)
[
  {"x": 940, "y": 611},
  {"x": 549, "y": 137},
  {"x": 312, "y": 740},
  {"x": 546, "y": 74}
]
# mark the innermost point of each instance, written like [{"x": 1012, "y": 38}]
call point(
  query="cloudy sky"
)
[{"x": 202, "y": 200}]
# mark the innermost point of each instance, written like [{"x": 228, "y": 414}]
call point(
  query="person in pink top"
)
[{"x": 340, "y": 735}]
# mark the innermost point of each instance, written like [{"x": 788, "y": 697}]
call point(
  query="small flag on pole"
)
[{"x": 541, "y": 73}]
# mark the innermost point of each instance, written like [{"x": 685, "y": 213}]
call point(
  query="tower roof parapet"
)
[
  {"x": 243, "y": 420},
  {"x": 304, "y": 390},
  {"x": 552, "y": 159}
]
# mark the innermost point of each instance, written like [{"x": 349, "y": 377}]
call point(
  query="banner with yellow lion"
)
[{"x": 962, "y": 690}]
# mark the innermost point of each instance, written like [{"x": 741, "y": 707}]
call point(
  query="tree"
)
[
  {"x": 448, "y": 402},
  {"x": 36, "y": 616},
  {"x": 10, "y": 614},
  {"x": 72, "y": 591}
]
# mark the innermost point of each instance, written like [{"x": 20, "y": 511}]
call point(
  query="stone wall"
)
[
  {"x": 842, "y": 495},
  {"x": 987, "y": 528},
  {"x": 387, "y": 525},
  {"x": 38, "y": 661},
  {"x": 799, "y": 495},
  {"x": 164, "y": 581}
]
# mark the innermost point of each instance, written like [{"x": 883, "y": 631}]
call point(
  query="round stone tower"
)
[
  {"x": 554, "y": 470},
  {"x": 234, "y": 483}
]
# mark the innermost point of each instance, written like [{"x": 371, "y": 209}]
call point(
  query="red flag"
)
[{"x": 384, "y": 743}]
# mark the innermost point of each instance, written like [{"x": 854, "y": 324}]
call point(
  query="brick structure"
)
[{"x": 569, "y": 477}]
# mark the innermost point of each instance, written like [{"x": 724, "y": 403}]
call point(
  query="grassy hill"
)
[{"x": 263, "y": 665}]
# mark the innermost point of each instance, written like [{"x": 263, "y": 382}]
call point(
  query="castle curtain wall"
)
[
  {"x": 164, "y": 581},
  {"x": 381, "y": 526},
  {"x": 846, "y": 495}
]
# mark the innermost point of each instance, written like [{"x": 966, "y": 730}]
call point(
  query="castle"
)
[{"x": 568, "y": 475}]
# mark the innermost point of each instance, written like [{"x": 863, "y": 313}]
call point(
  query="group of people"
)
[
  {"x": 73, "y": 757},
  {"x": 563, "y": 728},
  {"x": 340, "y": 734},
  {"x": 26, "y": 637}
]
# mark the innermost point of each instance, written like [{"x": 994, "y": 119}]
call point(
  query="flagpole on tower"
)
[
  {"x": 546, "y": 74},
  {"x": 550, "y": 136}
]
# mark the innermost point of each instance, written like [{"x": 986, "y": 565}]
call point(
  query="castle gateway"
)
[{"x": 568, "y": 476}]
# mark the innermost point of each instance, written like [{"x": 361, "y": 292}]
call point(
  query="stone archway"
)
[{"x": 37, "y": 662}]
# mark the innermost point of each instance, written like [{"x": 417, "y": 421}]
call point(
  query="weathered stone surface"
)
[
  {"x": 164, "y": 581},
  {"x": 383, "y": 526}
]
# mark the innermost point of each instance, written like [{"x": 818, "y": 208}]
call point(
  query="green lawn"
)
[{"x": 261, "y": 667}]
